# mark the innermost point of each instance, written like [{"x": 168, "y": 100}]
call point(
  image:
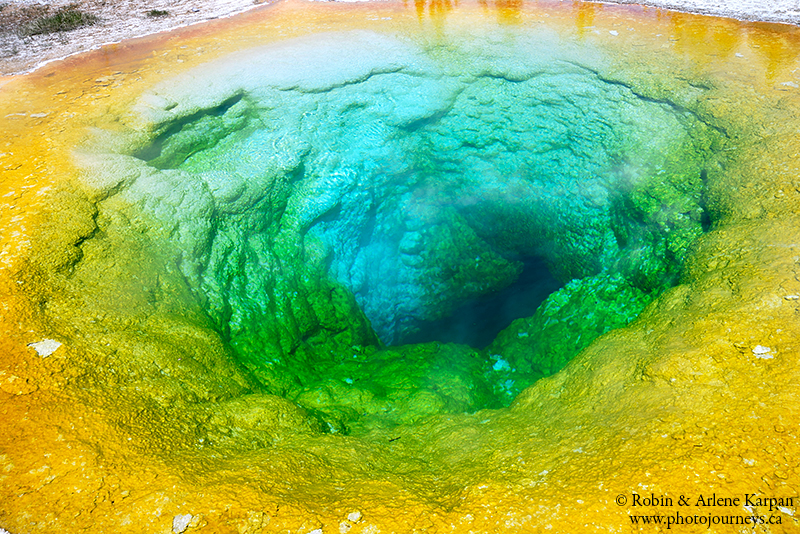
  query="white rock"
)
[
  {"x": 763, "y": 352},
  {"x": 181, "y": 523},
  {"x": 46, "y": 347},
  {"x": 354, "y": 516}
]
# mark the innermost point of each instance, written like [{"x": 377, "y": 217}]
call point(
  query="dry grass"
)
[
  {"x": 41, "y": 19},
  {"x": 64, "y": 19}
]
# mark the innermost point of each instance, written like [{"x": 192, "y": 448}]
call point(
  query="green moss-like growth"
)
[
  {"x": 65, "y": 19},
  {"x": 566, "y": 323},
  {"x": 657, "y": 215},
  {"x": 306, "y": 324},
  {"x": 398, "y": 385}
]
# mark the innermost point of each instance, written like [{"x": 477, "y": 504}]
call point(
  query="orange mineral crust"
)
[{"x": 185, "y": 352}]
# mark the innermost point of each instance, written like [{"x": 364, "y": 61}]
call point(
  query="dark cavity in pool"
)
[{"x": 478, "y": 321}]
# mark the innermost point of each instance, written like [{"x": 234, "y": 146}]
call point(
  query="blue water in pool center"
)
[{"x": 420, "y": 178}]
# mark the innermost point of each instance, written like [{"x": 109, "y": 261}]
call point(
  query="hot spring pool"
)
[{"x": 394, "y": 268}]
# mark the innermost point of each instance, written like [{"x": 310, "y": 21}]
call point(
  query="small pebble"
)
[
  {"x": 763, "y": 352},
  {"x": 181, "y": 523},
  {"x": 45, "y": 347}
]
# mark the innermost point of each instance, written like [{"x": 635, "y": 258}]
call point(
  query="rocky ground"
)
[
  {"x": 787, "y": 11},
  {"x": 20, "y": 51}
]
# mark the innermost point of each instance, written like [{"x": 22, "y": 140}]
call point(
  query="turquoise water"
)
[{"x": 331, "y": 211}]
